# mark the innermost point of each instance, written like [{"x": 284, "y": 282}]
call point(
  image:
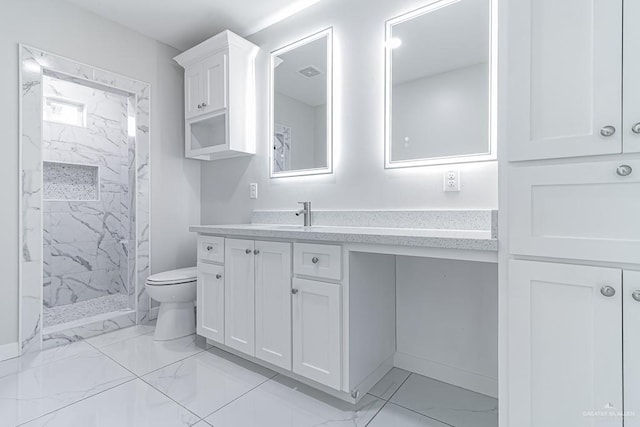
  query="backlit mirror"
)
[
  {"x": 301, "y": 86},
  {"x": 439, "y": 85}
]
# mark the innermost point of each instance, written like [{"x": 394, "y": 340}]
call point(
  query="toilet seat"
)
[{"x": 173, "y": 277}]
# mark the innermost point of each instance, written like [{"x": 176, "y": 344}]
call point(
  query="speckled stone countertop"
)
[{"x": 481, "y": 240}]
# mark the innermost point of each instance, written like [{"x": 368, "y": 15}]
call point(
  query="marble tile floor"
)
[
  {"x": 69, "y": 313},
  {"x": 124, "y": 379}
]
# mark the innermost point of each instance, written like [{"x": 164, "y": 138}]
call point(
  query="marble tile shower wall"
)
[{"x": 86, "y": 243}]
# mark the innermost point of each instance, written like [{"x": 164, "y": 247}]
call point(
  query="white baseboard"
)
[
  {"x": 9, "y": 351},
  {"x": 448, "y": 374}
]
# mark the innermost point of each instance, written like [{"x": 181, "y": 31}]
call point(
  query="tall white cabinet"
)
[{"x": 573, "y": 199}]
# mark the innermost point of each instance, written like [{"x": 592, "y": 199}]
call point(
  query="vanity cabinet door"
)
[
  {"x": 631, "y": 328},
  {"x": 239, "y": 295},
  {"x": 210, "y": 322},
  {"x": 273, "y": 303},
  {"x": 193, "y": 89},
  {"x": 565, "y": 94},
  {"x": 317, "y": 331},
  {"x": 565, "y": 345},
  {"x": 214, "y": 94}
]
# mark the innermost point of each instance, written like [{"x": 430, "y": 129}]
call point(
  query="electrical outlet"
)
[
  {"x": 253, "y": 190},
  {"x": 451, "y": 180}
]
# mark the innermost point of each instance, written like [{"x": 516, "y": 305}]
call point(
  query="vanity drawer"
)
[
  {"x": 211, "y": 248},
  {"x": 586, "y": 211},
  {"x": 324, "y": 261}
]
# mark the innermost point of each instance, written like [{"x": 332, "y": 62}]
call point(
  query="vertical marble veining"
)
[
  {"x": 53, "y": 239},
  {"x": 85, "y": 252}
]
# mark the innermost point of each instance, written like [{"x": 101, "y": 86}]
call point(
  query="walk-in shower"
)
[
  {"x": 84, "y": 200},
  {"x": 88, "y": 201}
]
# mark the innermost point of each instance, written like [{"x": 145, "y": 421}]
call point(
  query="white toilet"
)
[{"x": 175, "y": 290}]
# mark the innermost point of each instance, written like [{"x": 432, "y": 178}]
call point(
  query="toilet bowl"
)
[{"x": 175, "y": 290}]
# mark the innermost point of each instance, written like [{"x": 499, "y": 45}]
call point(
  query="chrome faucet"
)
[{"x": 306, "y": 211}]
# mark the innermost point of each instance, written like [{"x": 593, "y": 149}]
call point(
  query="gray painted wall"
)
[{"x": 360, "y": 180}]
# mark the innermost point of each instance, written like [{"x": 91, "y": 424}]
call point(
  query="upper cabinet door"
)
[
  {"x": 565, "y": 345},
  {"x": 239, "y": 295},
  {"x": 273, "y": 303},
  {"x": 631, "y": 125},
  {"x": 631, "y": 302},
  {"x": 193, "y": 90},
  {"x": 565, "y": 78},
  {"x": 214, "y": 95}
]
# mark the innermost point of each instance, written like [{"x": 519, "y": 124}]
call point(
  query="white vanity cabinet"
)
[
  {"x": 210, "y": 318},
  {"x": 569, "y": 94},
  {"x": 219, "y": 87},
  {"x": 239, "y": 295},
  {"x": 258, "y": 299},
  {"x": 317, "y": 331},
  {"x": 565, "y": 345},
  {"x": 273, "y": 302}
]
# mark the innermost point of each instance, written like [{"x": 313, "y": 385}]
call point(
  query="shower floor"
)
[{"x": 85, "y": 309}]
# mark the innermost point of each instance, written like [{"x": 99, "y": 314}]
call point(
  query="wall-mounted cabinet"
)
[
  {"x": 574, "y": 96},
  {"x": 219, "y": 87}
]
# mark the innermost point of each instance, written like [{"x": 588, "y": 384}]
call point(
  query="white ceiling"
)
[
  {"x": 185, "y": 23},
  {"x": 445, "y": 39}
]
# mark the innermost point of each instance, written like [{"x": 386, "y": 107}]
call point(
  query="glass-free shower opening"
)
[{"x": 89, "y": 179}]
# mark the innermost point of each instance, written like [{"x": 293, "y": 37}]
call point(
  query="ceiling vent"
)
[{"x": 309, "y": 71}]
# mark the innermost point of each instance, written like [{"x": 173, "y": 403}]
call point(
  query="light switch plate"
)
[
  {"x": 451, "y": 180},
  {"x": 253, "y": 190}
]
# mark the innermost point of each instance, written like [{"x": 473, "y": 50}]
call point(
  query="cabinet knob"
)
[
  {"x": 209, "y": 248},
  {"x": 636, "y": 295},
  {"x": 608, "y": 131},
  {"x": 294, "y": 291},
  {"x": 199, "y": 106},
  {"x": 636, "y": 128},
  {"x": 247, "y": 251},
  {"x": 218, "y": 276},
  {"x": 607, "y": 291},
  {"x": 624, "y": 170},
  {"x": 204, "y": 104},
  {"x": 256, "y": 252},
  {"x": 315, "y": 260}
]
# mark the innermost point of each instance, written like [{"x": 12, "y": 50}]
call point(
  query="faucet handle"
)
[{"x": 304, "y": 204}]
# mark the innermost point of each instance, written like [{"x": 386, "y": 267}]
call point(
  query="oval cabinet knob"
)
[
  {"x": 608, "y": 131},
  {"x": 256, "y": 252},
  {"x": 636, "y": 295},
  {"x": 218, "y": 276},
  {"x": 247, "y": 251},
  {"x": 315, "y": 260},
  {"x": 199, "y": 106},
  {"x": 204, "y": 104},
  {"x": 294, "y": 291},
  {"x": 607, "y": 291},
  {"x": 209, "y": 248},
  {"x": 636, "y": 128},
  {"x": 624, "y": 170}
]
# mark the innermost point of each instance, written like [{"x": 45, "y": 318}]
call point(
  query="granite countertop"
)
[{"x": 481, "y": 240}]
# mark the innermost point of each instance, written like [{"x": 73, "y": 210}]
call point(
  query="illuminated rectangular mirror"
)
[
  {"x": 301, "y": 117},
  {"x": 440, "y": 85}
]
